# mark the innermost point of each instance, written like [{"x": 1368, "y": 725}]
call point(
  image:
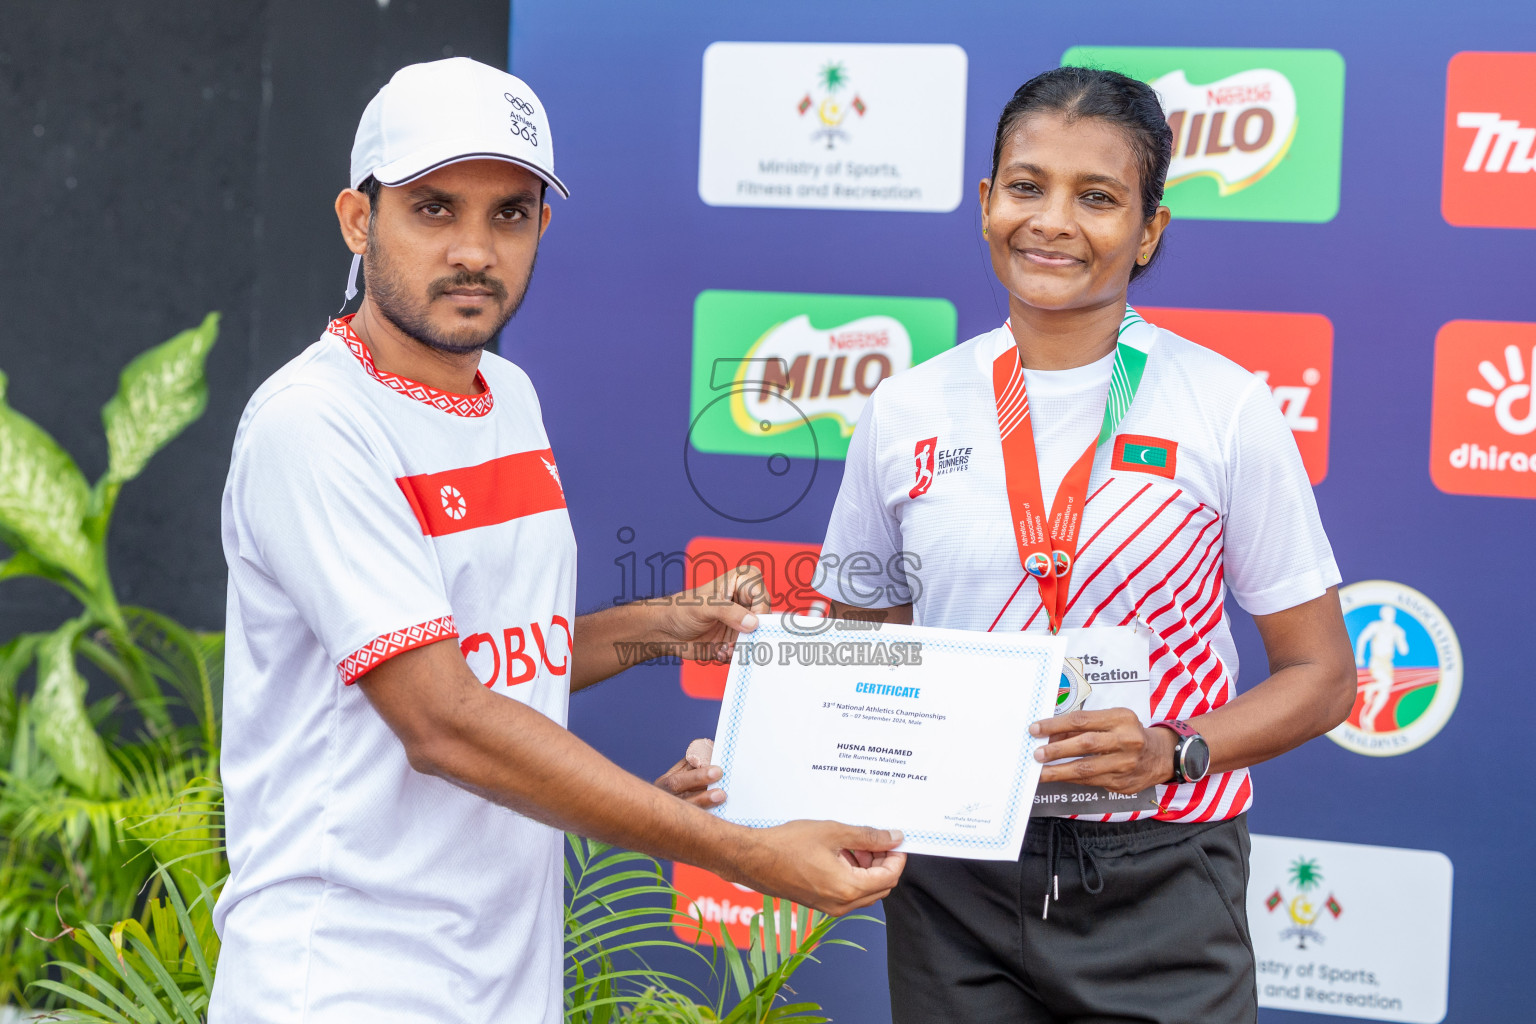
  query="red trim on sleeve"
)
[{"x": 380, "y": 649}]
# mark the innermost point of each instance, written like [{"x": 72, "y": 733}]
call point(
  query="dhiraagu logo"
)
[
  {"x": 1257, "y": 134},
  {"x": 787, "y": 374}
]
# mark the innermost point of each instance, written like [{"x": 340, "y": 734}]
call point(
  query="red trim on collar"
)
[{"x": 456, "y": 405}]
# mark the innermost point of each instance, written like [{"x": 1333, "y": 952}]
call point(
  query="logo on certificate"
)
[
  {"x": 1291, "y": 352},
  {"x": 1482, "y": 436},
  {"x": 786, "y": 375},
  {"x": 1257, "y": 134},
  {"x": 1408, "y": 666},
  {"x": 1490, "y": 141},
  {"x": 836, "y": 126}
]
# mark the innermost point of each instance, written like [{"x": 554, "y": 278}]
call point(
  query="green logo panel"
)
[
  {"x": 1258, "y": 134},
  {"x": 784, "y": 373}
]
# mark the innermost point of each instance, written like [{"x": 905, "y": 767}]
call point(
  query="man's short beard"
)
[{"x": 390, "y": 298}]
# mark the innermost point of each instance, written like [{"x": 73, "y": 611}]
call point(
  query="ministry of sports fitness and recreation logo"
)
[
  {"x": 1482, "y": 437},
  {"x": 831, "y": 104},
  {"x": 1489, "y": 174},
  {"x": 1409, "y": 667},
  {"x": 786, "y": 375},
  {"x": 1291, "y": 352},
  {"x": 1303, "y": 903},
  {"x": 1257, "y": 134},
  {"x": 841, "y": 126}
]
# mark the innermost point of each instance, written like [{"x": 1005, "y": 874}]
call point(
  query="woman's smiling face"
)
[{"x": 1063, "y": 213}]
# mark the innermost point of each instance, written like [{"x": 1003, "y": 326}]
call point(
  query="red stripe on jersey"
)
[
  {"x": 498, "y": 491},
  {"x": 1105, "y": 564},
  {"x": 1145, "y": 562}
]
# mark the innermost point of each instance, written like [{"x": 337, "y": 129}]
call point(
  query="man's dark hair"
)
[
  {"x": 1128, "y": 104},
  {"x": 370, "y": 188}
]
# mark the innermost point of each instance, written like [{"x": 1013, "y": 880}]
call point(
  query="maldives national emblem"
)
[
  {"x": 1304, "y": 909},
  {"x": 831, "y": 109}
]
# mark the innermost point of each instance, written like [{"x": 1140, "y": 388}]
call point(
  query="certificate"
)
[{"x": 918, "y": 729}]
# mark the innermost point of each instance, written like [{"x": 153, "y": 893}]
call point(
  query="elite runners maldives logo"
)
[
  {"x": 922, "y": 455},
  {"x": 1292, "y": 352},
  {"x": 1489, "y": 175},
  {"x": 786, "y": 374},
  {"x": 1409, "y": 668},
  {"x": 1305, "y": 906},
  {"x": 1482, "y": 435},
  {"x": 1258, "y": 134}
]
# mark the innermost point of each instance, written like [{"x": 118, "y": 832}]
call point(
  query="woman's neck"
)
[{"x": 1050, "y": 339}]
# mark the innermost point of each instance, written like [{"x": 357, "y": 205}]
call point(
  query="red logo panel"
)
[
  {"x": 1482, "y": 435},
  {"x": 1489, "y": 176},
  {"x": 1293, "y": 352},
  {"x": 787, "y": 572},
  {"x": 721, "y": 905},
  {"x": 922, "y": 456}
]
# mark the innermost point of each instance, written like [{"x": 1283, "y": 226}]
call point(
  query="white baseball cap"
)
[{"x": 439, "y": 113}]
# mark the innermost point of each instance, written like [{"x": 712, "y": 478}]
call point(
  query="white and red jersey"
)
[
  {"x": 1201, "y": 491},
  {"x": 366, "y": 515}
]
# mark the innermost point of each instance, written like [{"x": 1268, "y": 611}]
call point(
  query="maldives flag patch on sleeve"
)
[{"x": 1141, "y": 454}]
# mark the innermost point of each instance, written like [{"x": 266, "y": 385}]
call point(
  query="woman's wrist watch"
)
[{"x": 1191, "y": 754}]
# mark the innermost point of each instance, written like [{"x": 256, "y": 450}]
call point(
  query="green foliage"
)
[
  {"x": 72, "y": 773},
  {"x": 158, "y": 967},
  {"x": 619, "y": 906}
]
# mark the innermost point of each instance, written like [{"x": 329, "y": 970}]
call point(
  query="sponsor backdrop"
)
[{"x": 774, "y": 209}]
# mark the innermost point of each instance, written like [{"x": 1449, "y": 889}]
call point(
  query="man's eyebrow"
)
[
  {"x": 429, "y": 194},
  {"x": 521, "y": 198}
]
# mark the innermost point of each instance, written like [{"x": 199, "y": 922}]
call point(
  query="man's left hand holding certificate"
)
[{"x": 911, "y": 728}]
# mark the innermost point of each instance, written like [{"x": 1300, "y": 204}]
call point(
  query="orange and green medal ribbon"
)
[{"x": 1048, "y": 545}]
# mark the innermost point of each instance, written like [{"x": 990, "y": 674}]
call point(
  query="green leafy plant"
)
[
  {"x": 72, "y": 772},
  {"x": 158, "y": 968}
]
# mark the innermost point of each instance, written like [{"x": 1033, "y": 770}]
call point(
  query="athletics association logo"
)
[
  {"x": 1489, "y": 172},
  {"x": 1258, "y": 134},
  {"x": 1482, "y": 437},
  {"x": 1291, "y": 352},
  {"x": 1304, "y": 907},
  {"x": 832, "y": 109},
  {"x": 1038, "y": 565},
  {"x": 1409, "y": 668}
]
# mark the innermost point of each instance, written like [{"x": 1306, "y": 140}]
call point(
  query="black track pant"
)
[{"x": 1146, "y": 923}]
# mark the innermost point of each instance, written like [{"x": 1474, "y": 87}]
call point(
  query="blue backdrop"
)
[{"x": 606, "y": 336}]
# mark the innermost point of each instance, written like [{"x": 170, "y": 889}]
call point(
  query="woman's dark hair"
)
[{"x": 1126, "y": 103}]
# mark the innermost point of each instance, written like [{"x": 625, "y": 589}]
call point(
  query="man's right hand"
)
[{"x": 827, "y": 865}]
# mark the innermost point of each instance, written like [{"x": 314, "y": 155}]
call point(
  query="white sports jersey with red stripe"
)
[
  {"x": 366, "y": 515},
  {"x": 1202, "y": 491}
]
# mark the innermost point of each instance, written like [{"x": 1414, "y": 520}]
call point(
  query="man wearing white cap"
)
[{"x": 394, "y": 518}]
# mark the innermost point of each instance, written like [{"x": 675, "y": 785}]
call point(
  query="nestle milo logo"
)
[
  {"x": 782, "y": 373},
  {"x": 1257, "y": 134}
]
